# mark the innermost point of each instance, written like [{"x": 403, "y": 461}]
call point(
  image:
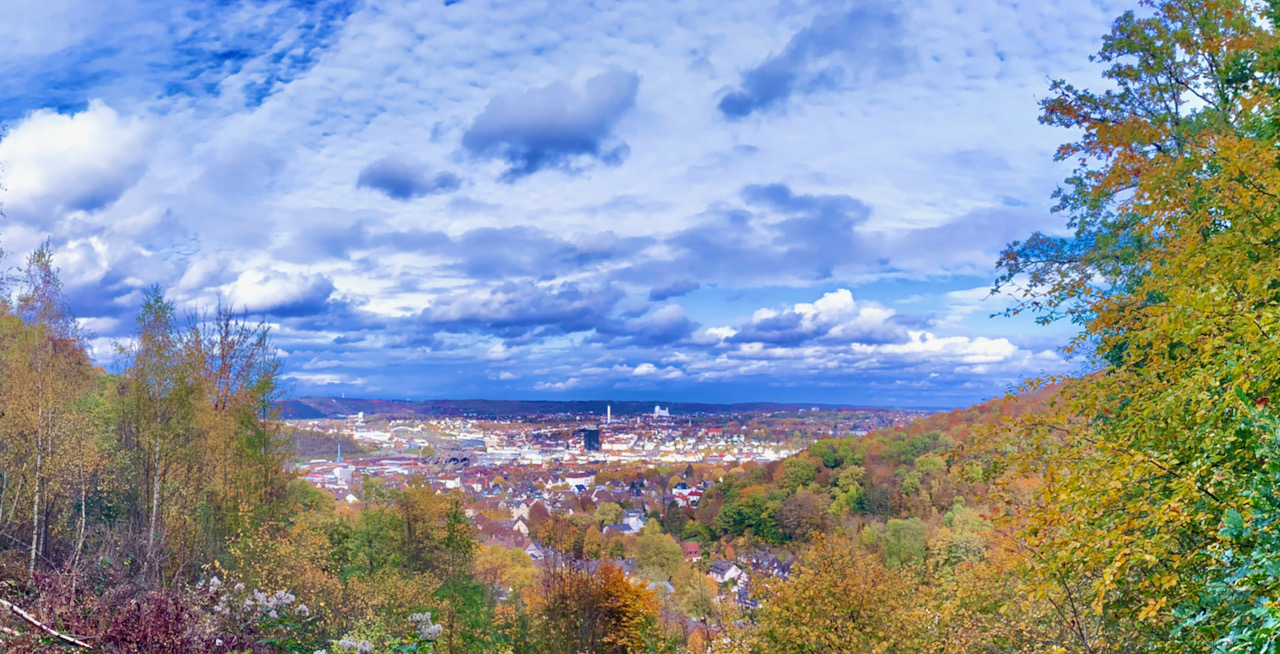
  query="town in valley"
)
[{"x": 516, "y": 469}]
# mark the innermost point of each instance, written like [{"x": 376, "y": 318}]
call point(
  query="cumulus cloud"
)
[
  {"x": 835, "y": 317},
  {"x": 654, "y": 372},
  {"x": 72, "y": 162},
  {"x": 280, "y": 294},
  {"x": 565, "y": 385},
  {"x": 833, "y": 51},
  {"x": 399, "y": 179},
  {"x": 550, "y": 126},
  {"x": 837, "y": 339},
  {"x": 960, "y": 349}
]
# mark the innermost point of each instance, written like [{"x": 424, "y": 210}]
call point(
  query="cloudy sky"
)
[{"x": 694, "y": 200}]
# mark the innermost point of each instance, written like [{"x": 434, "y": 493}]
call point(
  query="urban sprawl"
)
[{"x": 513, "y": 470}]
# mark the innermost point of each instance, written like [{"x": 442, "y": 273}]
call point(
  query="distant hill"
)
[{"x": 306, "y": 408}]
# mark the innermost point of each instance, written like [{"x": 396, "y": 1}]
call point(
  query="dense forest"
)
[{"x": 148, "y": 507}]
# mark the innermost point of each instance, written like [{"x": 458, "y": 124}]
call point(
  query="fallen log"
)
[{"x": 41, "y": 626}]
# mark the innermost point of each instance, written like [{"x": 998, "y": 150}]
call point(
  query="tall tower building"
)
[{"x": 590, "y": 439}]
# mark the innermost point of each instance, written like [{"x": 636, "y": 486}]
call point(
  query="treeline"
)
[{"x": 147, "y": 470}]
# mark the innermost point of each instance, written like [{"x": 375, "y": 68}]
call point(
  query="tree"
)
[
  {"x": 847, "y": 492},
  {"x": 558, "y": 533},
  {"x": 46, "y": 376},
  {"x": 802, "y": 514},
  {"x": 197, "y": 434},
  {"x": 837, "y": 600},
  {"x": 592, "y": 543},
  {"x": 509, "y": 569},
  {"x": 660, "y": 552},
  {"x": 600, "y": 611},
  {"x": 904, "y": 542},
  {"x": 797, "y": 472},
  {"x": 1172, "y": 275},
  {"x": 608, "y": 513},
  {"x": 696, "y": 593},
  {"x": 674, "y": 519}
]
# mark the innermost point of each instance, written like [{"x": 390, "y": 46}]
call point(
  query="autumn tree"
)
[
  {"x": 600, "y": 610},
  {"x": 196, "y": 433},
  {"x": 1171, "y": 273},
  {"x": 48, "y": 454},
  {"x": 837, "y": 600},
  {"x": 592, "y": 543}
]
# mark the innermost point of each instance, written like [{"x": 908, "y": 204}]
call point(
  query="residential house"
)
[
  {"x": 635, "y": 518},
  {"x": 620, "y": 528},
  {"x": 724, "y": 571},
  {"x": 692, "y": 551}
]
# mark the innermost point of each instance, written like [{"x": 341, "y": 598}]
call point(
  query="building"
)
[
  {"x": 634, "y": 518},
  {"x": 722, "y": 571},
  {"x": 590, "y": 438},
  {"x": 584, "y": 479},
  {"x": 659, "y": 412},
  {"x": 692, "y": 551}
]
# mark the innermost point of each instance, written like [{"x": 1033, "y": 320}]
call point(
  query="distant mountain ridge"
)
[{"x": 310, "y": 408}]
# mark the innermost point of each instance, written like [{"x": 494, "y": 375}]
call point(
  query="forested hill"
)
[
  {"x": 958, "y": 423},
  {"x": 304, "y": 408}
]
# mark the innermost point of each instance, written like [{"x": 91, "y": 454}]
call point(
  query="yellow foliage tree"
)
[{"x": 838, "y": 599}]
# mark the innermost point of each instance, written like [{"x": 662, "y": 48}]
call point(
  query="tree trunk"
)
[
  {"x": 155, "y": 511},
  {"x": 35, "y": 501}
]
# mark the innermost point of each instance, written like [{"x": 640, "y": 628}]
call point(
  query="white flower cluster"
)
[
  {"x": 426, "y": 630},
  {"x": 270, "y": 605},
  {"x": 257, "y": 602},
  {"x": 349, "y": 644}
]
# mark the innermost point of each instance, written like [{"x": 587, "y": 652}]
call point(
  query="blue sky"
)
[{"x": 716, "y": 201}]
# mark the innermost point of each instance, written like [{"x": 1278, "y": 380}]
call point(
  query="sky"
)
[{"x": 682, "y": 201}]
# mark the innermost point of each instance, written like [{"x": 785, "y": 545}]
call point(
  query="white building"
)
[{"x": 722, "y": 571}]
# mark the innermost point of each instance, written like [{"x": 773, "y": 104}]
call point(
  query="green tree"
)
[
  {"x": 674, "y": 519},
  {"x": 661, "y": 552},
  {"x": 608, "y": 513},
  {"x": 797, "y": 472},
  {"x": 904, "y": 542}
]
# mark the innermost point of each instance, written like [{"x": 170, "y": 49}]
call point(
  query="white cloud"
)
[
  {"x": 943, "y": 349},
  {"x": 324, "y": 379},
  {"x": 651, "y": 371},
  {"x": 258, "y": 291},
  {"x": 55, "y": 163},
  {"x": 565, "y": 385}
]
